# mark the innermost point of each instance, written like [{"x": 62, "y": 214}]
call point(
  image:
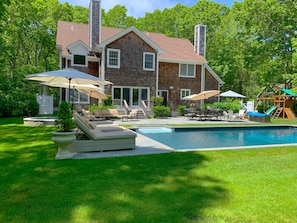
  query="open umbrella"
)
[
  {"x": 190, "y": 97},
  {"x": 87, "y": 89},
  {"x": 231, "y": 94},
  {"x": 203, "y": 95},
  {"x": 93, "y": 93},
  {"x": 69, "y": 76}
]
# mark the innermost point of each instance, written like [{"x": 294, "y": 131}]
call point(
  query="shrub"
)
[
  {"x": 31, "y": 107},
  {"x": 64, "y": 122},
  {"x": 95, "y": 107},
  {"x": 161, "y": 111},
  {"x": 233, "y": 105},
  {"x": 157, "y": 101},
  {"x": 108, "y": 101},
  {"x": 9, "y": 107},
  {"x": 181, "y": 109}
]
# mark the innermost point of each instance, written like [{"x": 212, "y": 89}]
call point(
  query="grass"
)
[{"x": 255, "y": 185}]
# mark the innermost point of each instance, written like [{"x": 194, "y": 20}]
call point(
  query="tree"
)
[{"x": 117, "y": 17}]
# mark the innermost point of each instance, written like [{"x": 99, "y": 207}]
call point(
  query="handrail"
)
[
  {"x": 126, "y": 107},
  {"x": 144, "y": 108}
]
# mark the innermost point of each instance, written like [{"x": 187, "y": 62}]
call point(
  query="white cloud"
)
[{"x": 135, "y": 8}]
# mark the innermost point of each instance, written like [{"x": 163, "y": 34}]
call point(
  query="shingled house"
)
[{"x": 139, "y": 64}]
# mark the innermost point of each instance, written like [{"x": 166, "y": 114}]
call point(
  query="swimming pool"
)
[{"x": 221, "y": 137}]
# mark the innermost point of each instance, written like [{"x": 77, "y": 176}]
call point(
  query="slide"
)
[
  {"x": 290, "y": 114},
  {"x": 289, "y": 92},
  {"x": 270, "y": 110}
]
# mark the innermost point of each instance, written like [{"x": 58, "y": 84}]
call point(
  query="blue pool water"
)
[{"x": 220, "y": 137}]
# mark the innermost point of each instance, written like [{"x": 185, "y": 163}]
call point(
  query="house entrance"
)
[
  {"x": 164, "y": 94},
  {"x": 132, "y": 95}
]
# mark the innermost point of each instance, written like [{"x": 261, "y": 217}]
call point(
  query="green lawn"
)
[{"x": 256, "y": 185}]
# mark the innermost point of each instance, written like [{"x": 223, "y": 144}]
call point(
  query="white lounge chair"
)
[
  {"x": 241, "y": 114},
  {"x": 102, "y": 137}
]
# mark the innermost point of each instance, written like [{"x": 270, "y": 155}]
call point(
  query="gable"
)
[
  {"x": 78, "y": 47},
  {"x": 127, "y": 31}
]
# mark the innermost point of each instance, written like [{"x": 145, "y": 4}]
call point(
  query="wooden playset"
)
[{"x": 282, "y": 99}]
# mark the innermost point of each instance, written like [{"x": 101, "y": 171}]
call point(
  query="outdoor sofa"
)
[
  {"x": 101, "y": 137},
  {"x": 106, "y": 113}
]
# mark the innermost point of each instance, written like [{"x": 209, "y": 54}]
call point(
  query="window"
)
[
  {"x": 77, "y": 97},
  {"x": 187, "y": 70},
  {"x": 149, "y": 61},
  {"x": 184, "y": 93},
  {"x": 113, "y": 58},
  {"x": 79, "y": 59}
]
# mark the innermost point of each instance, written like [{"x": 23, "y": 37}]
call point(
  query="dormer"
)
[{"x": 79, "y": 53}]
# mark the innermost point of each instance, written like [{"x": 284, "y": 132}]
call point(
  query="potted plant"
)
[{"x": 64, "y": 135}]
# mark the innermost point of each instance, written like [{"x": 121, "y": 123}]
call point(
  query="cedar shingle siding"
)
[
  {"x": 73, "y": 38},
  {"x": 131, "y": 71}
]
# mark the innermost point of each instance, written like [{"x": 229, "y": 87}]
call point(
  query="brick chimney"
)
[
  {"x": 200, "y": 40},
  {"x": 94, "y": 22}
]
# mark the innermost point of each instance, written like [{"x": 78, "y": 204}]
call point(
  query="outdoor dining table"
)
[{"x": 203, "y": 115}]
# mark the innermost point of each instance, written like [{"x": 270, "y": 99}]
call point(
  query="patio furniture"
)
[
  {"x": 258, "y": 117},
  {"x": 106, "y": 113},
  {"x": 101, "y": 137},
  {"x": 132, "y": 115}
]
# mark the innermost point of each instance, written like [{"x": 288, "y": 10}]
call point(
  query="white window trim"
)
[
  {"x": 181, "y": 90},
  {"x": 150, "y": 69},
  {"x": 79, "y": 65},
  {"x": 180, "y": 75},
  {"x": 79, "y": 101},
  {"x": 119, "y": 56}
]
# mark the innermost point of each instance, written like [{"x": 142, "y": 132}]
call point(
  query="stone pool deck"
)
[{"x": 146, "y": 146}]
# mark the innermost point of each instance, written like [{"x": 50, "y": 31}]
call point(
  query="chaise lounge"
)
[{"x": 101, "y": 137}]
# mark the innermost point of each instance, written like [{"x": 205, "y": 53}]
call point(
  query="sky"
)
[{"x": 138, "y": 8}]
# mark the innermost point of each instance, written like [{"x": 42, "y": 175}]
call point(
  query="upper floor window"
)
[
  {"x": 187, "y": 70},
  {"x": 113, "y": 58},
  {"x": 148, "y": 61},
  {"x": 79, "y": 60},
  {"x": 184, "y": 93}
]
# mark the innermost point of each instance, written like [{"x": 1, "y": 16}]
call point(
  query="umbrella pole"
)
[{"x": 69, "y": 90}]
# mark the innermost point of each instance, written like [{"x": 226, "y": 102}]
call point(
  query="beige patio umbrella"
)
[
  {"x": 93, "y": 93},
  {"x": 68, "y": 75},
  {"x": 205, "y": 95},
  {"x": 87, "y": 89},
  {"x": 190, "y": 97},
  {"x": 202, "y": 95}
]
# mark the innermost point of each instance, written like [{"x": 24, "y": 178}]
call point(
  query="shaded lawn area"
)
[{"x": 256, "y": 185}]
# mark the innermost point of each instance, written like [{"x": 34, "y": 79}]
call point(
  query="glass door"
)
[
  {"x": 126, "y": 95},
  {"x": 135, "y": 97}
]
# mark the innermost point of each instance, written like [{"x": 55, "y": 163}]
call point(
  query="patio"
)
[{"x": 145, "y": 145}]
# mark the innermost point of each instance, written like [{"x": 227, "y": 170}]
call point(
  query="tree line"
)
[{"x": 249, "y": 44}]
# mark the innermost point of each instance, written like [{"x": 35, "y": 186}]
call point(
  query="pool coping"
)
[
  {"x": 224, "y": 127},
  {"x": 147, "y": 146}
]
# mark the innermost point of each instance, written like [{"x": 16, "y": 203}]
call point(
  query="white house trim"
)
[
  {"x": 181, "y": 61},
  {"x": 125, "y": 32},
  {"x": 211, "y": 71},
  {"x": 76, "y": 44}
]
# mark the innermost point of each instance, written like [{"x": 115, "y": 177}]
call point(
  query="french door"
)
[{"x": 132, "y": 95}]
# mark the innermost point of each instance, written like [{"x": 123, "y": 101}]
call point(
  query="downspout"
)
[
  {"x": 202, "y": 83},
  {"x": 157, "y": 75},
  {"x": 103, "y": 65},
  {"x": 102, "y": 72},
  {"x": 60, "y": 58}
]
